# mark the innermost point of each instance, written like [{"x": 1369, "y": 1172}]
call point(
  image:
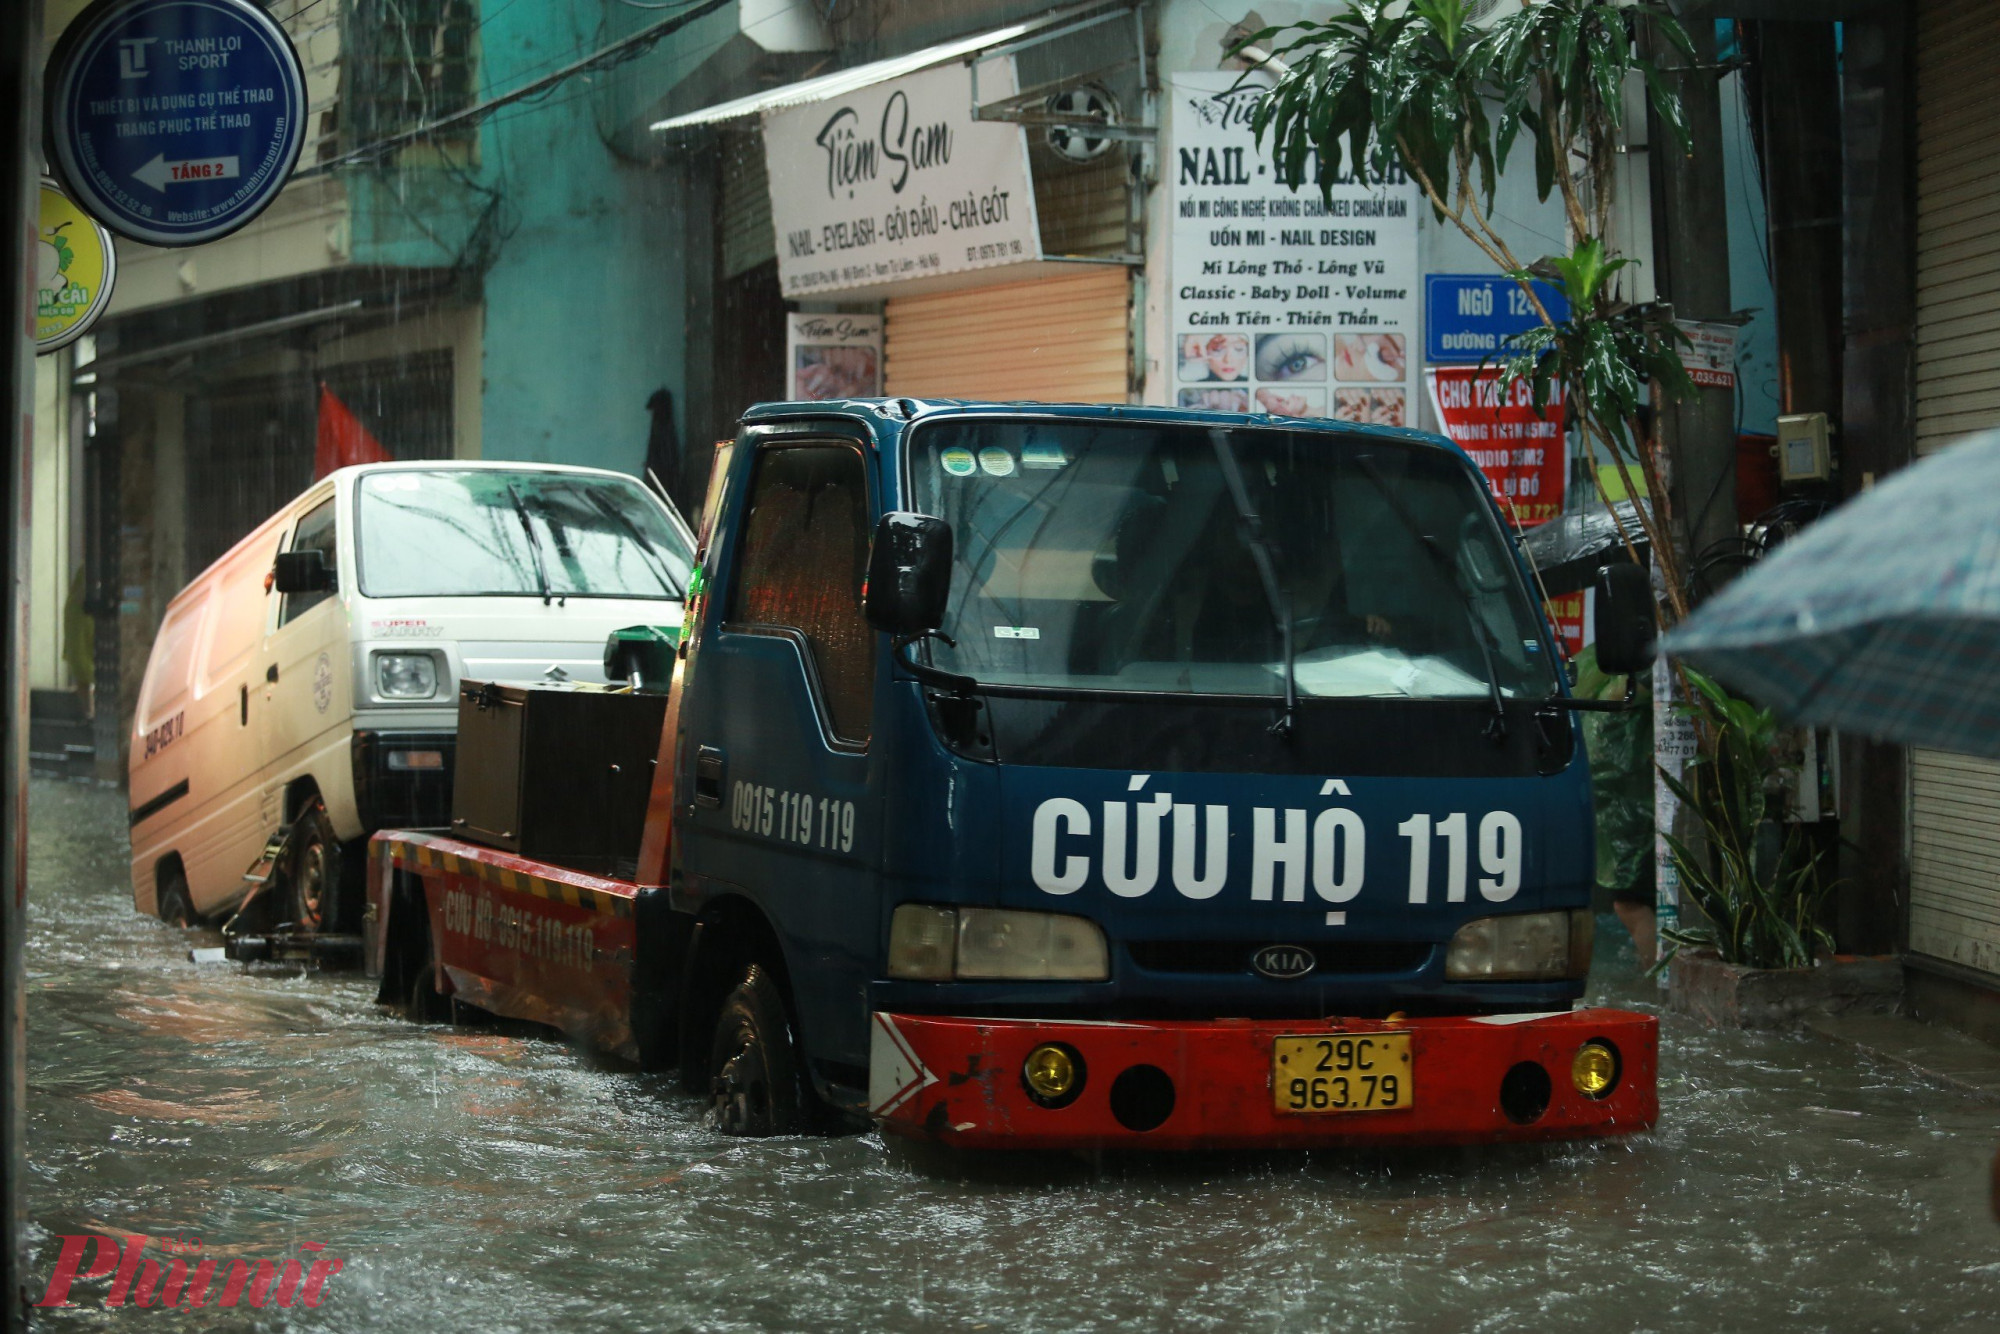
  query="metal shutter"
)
[
  {"x": 1083, "y": 208},
  {"x": 744, "y": 227},
  {"x": 1958, "y": 222},
  {"x": 1954, "y": 799},
  {"x": 1058, "y": 339},
  {"x": 1955, "y": 858}
]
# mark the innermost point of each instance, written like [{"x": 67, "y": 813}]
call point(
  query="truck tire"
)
[
  {"x": 423, "y": 1004},
  {"x": 754, "y": 1076},
  {"x": 171, "y": 899},
  {"x": 313, "y": 879}
]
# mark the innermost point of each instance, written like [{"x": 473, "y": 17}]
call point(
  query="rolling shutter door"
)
[
  {"x": 1958, "y": 222},
  {"x": 1058, "y": 339},
  {"x": 744, "y": 224},
  {"x": 1954, "y": 799}
]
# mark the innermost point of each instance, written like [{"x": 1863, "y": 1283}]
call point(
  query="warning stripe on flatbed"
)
[{"x": 430, "y": 852}]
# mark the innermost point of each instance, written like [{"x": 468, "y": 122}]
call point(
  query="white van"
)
[{"x": 302, "y": 692}]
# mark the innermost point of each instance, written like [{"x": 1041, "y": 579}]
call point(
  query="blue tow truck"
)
[{"x": 1071, "y": 776}]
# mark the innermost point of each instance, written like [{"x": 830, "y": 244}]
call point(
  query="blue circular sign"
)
[{"x": 176, "y": 121}]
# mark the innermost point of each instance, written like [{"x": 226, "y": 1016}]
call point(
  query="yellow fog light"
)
[
  {"x": 1594, "y": 1071},
  {"x": 1053, "y": 1074}
]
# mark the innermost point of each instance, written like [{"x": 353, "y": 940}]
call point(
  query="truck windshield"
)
[
  {"x": 1113, "y": 556},
  {"x": 473, "y": 532}
]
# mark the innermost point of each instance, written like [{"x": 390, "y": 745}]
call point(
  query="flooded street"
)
[{"x": 481, "y": 1180}]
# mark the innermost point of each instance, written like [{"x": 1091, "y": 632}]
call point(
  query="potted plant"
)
[{"x": 1761, "y": 957}]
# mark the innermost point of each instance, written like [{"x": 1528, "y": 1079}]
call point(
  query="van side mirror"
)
[
  {"x": 302, "y": 572},
  {"x": 909, "y": 573},
  {"x": 1624, "y": 620}
]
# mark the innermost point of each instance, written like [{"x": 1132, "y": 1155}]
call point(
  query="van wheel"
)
[
  {"x": 754, "y": 1085},
  {"x": 172, "y": 901},
  {"x": 315, "y": 872}
]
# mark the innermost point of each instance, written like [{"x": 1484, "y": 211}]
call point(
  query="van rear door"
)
[
  {"x": 226, "y": 826},
  {"x": 158, "y": 769}
]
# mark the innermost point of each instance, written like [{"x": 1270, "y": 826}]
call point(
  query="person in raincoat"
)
[{"x": 1620, "y": 746}]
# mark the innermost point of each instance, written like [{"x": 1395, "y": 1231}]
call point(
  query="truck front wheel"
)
[{"x": 754, "y": 1083}]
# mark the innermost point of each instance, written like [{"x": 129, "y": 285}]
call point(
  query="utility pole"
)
[
  {"x": 1691, "y": 271},
  {"x": 1698, "y": 433},
  {"x": 20, "y": 154}
]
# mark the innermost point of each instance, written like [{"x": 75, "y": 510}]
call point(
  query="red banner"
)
[
  {"x": 342, "y": 439},
  {"x": 1568, "y": 613},
  {"x": 1523, "y": 453}
]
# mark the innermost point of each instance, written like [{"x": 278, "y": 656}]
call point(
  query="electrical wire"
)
[{"x": 608, "y": 57}]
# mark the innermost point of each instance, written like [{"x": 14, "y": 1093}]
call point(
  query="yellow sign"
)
[{"x": 74, "y": 269}]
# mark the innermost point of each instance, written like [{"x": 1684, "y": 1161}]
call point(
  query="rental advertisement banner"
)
[
  {"x": 1523, "y": 453},
  {"x": 1284, "y": 302},
  {"x": 1709, "y": 354},
  {"x": 834, "y": 356},
  {"x": 897, "y": 181},
  {"x": 1570, "y": 614}
]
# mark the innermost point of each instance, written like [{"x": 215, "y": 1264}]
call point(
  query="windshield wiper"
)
[
  {"x": 534, "y": 543},
  {"x": 1482, "y": 637},
  {"x": 1250, "y": 529},
  {"x": 639, "y": 539}
]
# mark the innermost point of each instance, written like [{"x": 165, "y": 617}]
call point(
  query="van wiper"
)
[
  {"x": 1482, "y": 637},
  {"x": 1250, "y": 528},
  {"x": 534, "y": 543},
  {"x": 639, "y": 539}
]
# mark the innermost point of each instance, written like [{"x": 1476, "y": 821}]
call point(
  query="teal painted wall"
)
[
  {"x": 582, "y": 307},
  {"x": 572, "y": 246},
  {"x": 1749, "y": 256}
]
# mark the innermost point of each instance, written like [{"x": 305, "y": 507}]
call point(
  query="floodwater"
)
[{"x": 483, "y": 1180}]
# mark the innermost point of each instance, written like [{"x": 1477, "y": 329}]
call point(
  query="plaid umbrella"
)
[{"x": 1881, "y": 619}]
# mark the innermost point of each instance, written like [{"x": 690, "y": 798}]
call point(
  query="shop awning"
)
[{"x": 842, "y": 82}]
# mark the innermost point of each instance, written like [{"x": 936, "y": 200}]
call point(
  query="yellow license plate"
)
[{"x": 1342, "y": 1072}]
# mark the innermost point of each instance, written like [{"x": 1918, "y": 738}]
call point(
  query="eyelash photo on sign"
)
[{"x": 1291, "y": 356}]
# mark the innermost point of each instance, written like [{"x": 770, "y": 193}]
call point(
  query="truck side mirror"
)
[
  {"x": 909, "y": 573},
  {"x": 1624, "y": 620},
  {"x": 302, "y": 572}
]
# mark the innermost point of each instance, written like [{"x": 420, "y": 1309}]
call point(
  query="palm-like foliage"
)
[
  {"x": 1761, "y": 915},
  {"x": 1383, "y": 90},
  {"x": 1605, "y": 350}
]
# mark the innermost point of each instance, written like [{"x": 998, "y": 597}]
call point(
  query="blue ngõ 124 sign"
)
[
  {"x": 1468, "y": 316},
  {"x": 175, "y": 121}
]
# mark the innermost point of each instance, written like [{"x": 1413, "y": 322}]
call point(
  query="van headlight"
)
[
  {"x": 1522, "y": 947},
  {"x": 929, "y": 944},
  {"x": 405, "y": 675}
]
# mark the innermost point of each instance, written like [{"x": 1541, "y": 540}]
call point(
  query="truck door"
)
[
  {"x": 308, "y": 700},
  {"x": 777, "y": 727}
]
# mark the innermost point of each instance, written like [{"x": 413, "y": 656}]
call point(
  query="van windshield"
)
[
  {"x": 484, "y": 532},
  {"x": 1120, "y": 556}
]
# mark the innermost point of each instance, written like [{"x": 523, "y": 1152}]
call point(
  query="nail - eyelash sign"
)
[{"x": 1284, "y": 304}]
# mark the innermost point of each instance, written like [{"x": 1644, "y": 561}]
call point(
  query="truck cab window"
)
[
  {"x": 314, "y": 533},
  {"x": 805, "y": 552}
]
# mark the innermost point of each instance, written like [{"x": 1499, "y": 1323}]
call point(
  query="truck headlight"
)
[
  {"x": 405, "y": 675},
  {"x": 938, "y": 944},
  {"x": 1522, "y": 947}
]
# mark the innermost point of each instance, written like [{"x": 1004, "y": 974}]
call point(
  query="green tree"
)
[{"x": 1386, "y": 91}]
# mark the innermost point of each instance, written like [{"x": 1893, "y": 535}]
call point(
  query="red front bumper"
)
[{"x": 958, "y": 1081}]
